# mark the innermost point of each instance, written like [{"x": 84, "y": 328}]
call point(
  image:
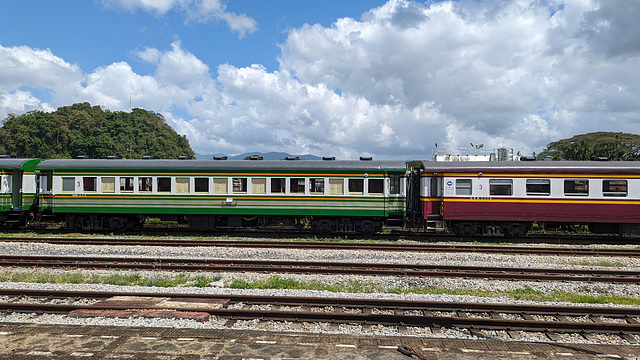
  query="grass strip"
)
[
  {"x": 121, "y": 280},
  {"x": 525, "y": 293},
  {"x": 276, "y": 283}
]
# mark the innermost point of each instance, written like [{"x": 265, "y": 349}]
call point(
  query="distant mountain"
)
[{"x": 266, "y": 156}]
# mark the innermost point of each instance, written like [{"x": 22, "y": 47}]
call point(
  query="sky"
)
[{"x": 387, "y": 79}]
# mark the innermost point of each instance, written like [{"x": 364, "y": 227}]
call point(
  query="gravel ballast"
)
[{"x": 385, "y": 283}]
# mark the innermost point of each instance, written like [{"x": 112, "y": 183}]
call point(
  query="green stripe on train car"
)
[{"x": 192, "y": 204}]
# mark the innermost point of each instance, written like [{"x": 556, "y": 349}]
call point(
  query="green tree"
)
[
  {"x": 82, "y": 129},
  {"x": 614, "y": 146}
]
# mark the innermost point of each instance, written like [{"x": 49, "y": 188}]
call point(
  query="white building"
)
[{"x": 475, "y": 153}]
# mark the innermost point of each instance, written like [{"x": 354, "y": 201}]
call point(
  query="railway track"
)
[
  {"x": 390, "y": 234},
  {"x": 552, "y": 321},
  {"x": 326, "y": 245},
  {"x": 322, "y": 267}
]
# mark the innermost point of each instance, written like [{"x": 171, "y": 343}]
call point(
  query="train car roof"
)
[
  {"x": 393, "y": 165},
  {"x": 27, "y": 164},
  {"x": 530, "y": 166}
]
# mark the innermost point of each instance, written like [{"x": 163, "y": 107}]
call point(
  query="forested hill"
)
[{"x": 82, "y": 129}]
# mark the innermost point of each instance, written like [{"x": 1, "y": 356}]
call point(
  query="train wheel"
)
[
  {"x": 75, "y": 222},
  {"x": 514, "y": 230},
  {"x": 117, "y": 223},
  {"x": 463, "y": 228},
  {"x": 300, "y": 224},
  {"x": 264, "y": 221},
  {"x": 323, "y": 226},
  {"x": 369, "y": 227}
]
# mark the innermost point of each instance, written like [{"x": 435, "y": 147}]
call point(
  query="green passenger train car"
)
[
  {"x": 17, "y": 190},
  {"x": 330, "y": 196}
]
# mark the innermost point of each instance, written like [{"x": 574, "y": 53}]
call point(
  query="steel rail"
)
[
  {"x": 631, "y": 326},
  {"x": 353, "y": 245},
  {"x": 349, "y": 302},
  {"x": 316, "y": 267}
]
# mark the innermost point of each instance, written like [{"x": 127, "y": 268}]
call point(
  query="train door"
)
[
  {"x": 5, "y": 200},
  {"x": 395, "y": 201},
  {"x": 45, "y": 190},
  {"x": 434, "y": 198},
  {"x": 432, "y": 201},
  {"x": 16, "y": 189}
]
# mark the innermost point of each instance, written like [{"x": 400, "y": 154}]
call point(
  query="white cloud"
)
[
  {"x": 491, "y": 67},
  {"x": 182, "y": 69},
  {"x": 158, "y": 6},
  {"x": 390, "y": 85},
  {"x": 24, "y": 70},
  {"x": 200, "y": 11},
  {"x": 19, "y": 102},
  {"x": 23, "y": 66},
  {"x": 205, "y": 10}
]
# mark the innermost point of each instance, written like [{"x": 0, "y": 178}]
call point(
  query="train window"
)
[
  {"x": 239, "y": 185},
  {"x": 500, "y": 186},
  {"x": 336, "y": 186},
  {"x": 433, "y": 187},
  {"x": 576, "y": 187},
  {"x": 68, "y": 184},
  {"x": 201, "y": 185},
  {"x": 538, "y": 187},
  {"x": 48, "y": 177},
  {"x": 89, "y": 183},
  {"x": 614, "y": 187},
  {"x": 395, "y": 186},
  {"x": 278, "y": 185},
  {"x": 126, "y": 184},
  {"x": 356, "y": 186},
  {"x": 316, "y": 186},
  {"x": 108, "y": 184},
  {"x": 220, "y": 186},
  {"x": 463, "y": 187},
  {"x": 259, "y": 185},
  {"x": 164, "y": 184},
  {"x": 376, "y": 186},
  {"x": 297, "y": 186},
  {"x": 182, "y": 185},
  {"x": 144, "y": 184}
]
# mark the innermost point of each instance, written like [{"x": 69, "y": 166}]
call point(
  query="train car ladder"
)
[{"x": 435, "y": 225}]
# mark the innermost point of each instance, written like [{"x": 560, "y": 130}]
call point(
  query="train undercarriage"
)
[
  {"x": 489, "y": 228},
  {"x": 509, "y": 229},
  {"x": 320, "y": 225}
]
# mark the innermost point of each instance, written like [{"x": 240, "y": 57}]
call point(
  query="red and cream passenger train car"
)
[{"x": 506, "y": 198}]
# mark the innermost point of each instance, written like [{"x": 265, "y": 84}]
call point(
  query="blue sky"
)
[
  {"x": 91, "y": 33},
  {"x": 353, "y": 78}
]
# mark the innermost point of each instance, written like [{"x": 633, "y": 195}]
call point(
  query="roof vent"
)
[
  {"x": 148, "y": 157},
  {"x": 368, "y": 158},
  {"x": 220, "y": 158},
  {"x": 255, "y": 157},
  {"x": 292, "y": 158},
  {"x": 329, "y": 158},
  {"x": 184, "y": 157},
  {"x": 112, "y": 157},
  {"x": 83, "y": 157}
]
